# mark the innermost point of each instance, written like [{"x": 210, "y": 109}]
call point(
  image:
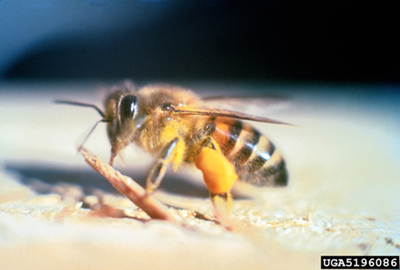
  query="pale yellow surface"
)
[{"x": 343, "y": 195}]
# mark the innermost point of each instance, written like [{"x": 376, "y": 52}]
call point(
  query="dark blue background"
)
[{"x": 329, "y": 41}]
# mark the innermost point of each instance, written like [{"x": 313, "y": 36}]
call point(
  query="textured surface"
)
[{"x": 342, "y": 197}]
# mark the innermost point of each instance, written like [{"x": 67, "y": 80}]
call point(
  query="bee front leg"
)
[{"x": 158, "y": 171}]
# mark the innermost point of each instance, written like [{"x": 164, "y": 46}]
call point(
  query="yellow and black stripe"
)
[{"x": 255, "y": 158}]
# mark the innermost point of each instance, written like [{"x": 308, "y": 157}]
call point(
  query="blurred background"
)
[{"x": 147, "y": 40}]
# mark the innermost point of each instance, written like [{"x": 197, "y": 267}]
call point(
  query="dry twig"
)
[{"x": 128, "y": 187}]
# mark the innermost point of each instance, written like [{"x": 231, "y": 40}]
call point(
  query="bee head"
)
[{"x": 122, "y": 114}]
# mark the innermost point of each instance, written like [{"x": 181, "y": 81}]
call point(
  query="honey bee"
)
[{"x": 177, "y": 126}]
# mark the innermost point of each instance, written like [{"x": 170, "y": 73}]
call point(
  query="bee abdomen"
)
[
  {"x": 271, "y": 172},
  {"x": 255, "y": 158}
]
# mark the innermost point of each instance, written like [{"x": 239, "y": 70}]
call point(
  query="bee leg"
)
[
  {"x": 210, "y": 143},
  {"x": 159, "y": 169},
  {"x": 222, "y": 202},
  {"x": 219, "y": 174}
]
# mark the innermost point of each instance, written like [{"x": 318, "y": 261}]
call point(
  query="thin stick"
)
[{"x": 128, "y": 187}]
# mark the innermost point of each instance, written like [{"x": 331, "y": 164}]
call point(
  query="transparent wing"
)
[
  {"x": 251, "y": 104},
  {"x": 188, "y": 110}
]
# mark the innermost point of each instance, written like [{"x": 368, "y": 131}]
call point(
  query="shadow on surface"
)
[{"x": 90, "y": 181}]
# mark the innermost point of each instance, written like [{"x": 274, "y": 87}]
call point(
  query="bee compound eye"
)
[{"x": 128, "y": 107}]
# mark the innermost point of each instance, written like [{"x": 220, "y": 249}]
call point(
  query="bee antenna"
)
[
  {"x": 83, "y": 105},
  {"x": 90, "y": 132}
]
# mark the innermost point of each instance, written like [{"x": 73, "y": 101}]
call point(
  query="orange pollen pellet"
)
[{"x": 218, "y": 172}]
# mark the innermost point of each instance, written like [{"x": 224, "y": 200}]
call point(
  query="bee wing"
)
[
  {"x": 268, "y": 98},
  {"x": 248, "y": 103},
  {"x": 223, "y": 113}
]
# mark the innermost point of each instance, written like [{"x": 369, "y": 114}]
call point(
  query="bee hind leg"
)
[
  {"x": 222, "y": 202},
  {"x": 158, "y": 171},
  {"x": 219, "y": 174}
]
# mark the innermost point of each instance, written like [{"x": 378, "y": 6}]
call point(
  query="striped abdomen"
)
[{"x": 255, "y": 158}]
